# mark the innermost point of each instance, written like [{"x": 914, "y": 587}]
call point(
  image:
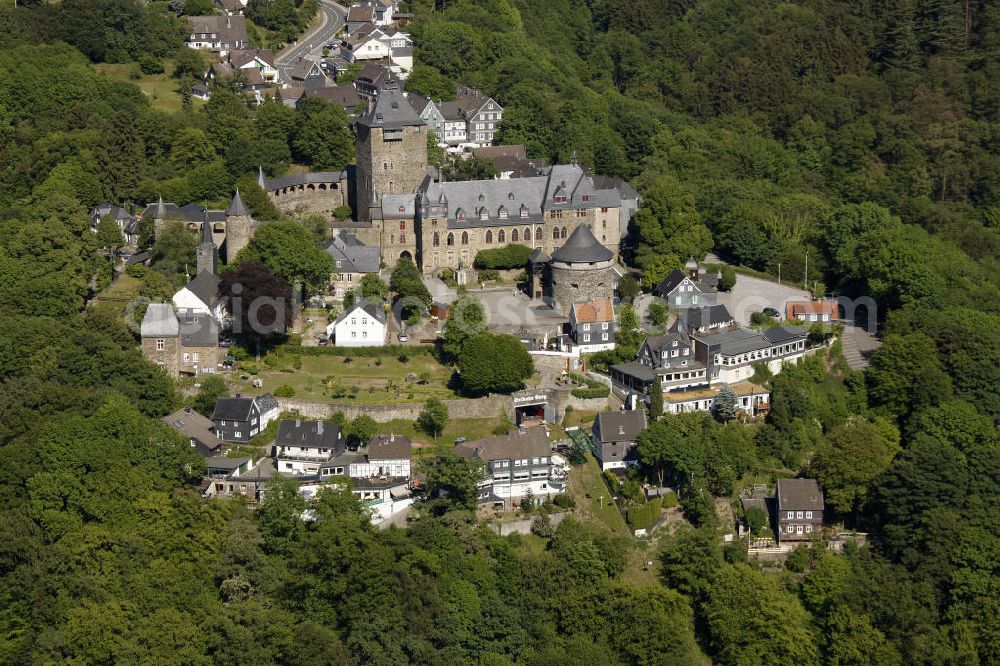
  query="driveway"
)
[
  {"x": 859, "y": 345},
  {"x": 753, "y": 294},
  {"x": 331, "y": 21}
]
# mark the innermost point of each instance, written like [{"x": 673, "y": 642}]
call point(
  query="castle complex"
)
[{"x": 403, "y": 207}]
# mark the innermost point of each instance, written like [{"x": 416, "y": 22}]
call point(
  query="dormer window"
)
[
  {"x": 560, "y": 198},
  {"x": 675, "y": 343},
  {"x": 586, "y": 198},
  {"x": 460, "y": 215},
  {"x": 510, "y": 196},
  {"x": 482, "y": 198},
  {"x": 502, "y": 213},
  {"x": 524, "y": 211},
  {"x": 484, "y": 214}
]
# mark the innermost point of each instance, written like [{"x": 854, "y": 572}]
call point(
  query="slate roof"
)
[
  {"x": 706, "y": 282},
  {"x": 418, "y": 102},
  {"x": 198, "y": 330},
  {"x": 539, "y": 256},
  {"x": 582, "y": 247},
  {"x": 599, "y": 310},
  {"x": 192, "y": 424},
  {"x": 314, "y": 434},
  {"x": 515, "y": 151},
  {"x": 660, "y": 343},
  {"x": 185, "y": 213},
  {"x": 345, "y": 96},
  {"x": 782, "y": 334},
  {"x": 390, "y": 110},
  {"x": 206, "y": 287},
  {"x": 637, "y": 370},
  {"x": 303, "y": 179},
  {"x": 241, "y": 57},
  {"x": 360, "y": 14},
  {"x": 352, "y": 256},
  {"x": 698, "y": 317},
  {"x": 738, "y": 341},
  {"x": 232, "y": 409},
  {"x": 159, "y": 321},
  {"x": 532, "y": 443},
  {"x": 389, "y": 447},
  {"x": 266, "y": 402},
  {"x": 225, "y": 463},
  {"x": 799, "y": 494},
  {"x": 619, "y": 426},
  {"x": 237, "y": 208},
  {"x": 363, "y": 304},
  {"x": 228, "y": 28}
]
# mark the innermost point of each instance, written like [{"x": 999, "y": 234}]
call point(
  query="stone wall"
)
[
  {"x": 311, "y": 198},
  {"x": 572, "y": 283},
  {"x": 524, "y": 526},
  {"x": 388, "y": 167},
  {"x": 169, "y": 357}
]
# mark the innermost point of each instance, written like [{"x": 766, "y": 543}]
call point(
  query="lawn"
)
[
  {"x": 118, "y": 295},
  {"x": 359, "y": 380},
  {"x": 160, "y": 89},
  {"x": 593, "y": 498}
]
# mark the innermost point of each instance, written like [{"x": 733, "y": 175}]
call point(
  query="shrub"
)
[
  {"x": 489, "y": 276},
  {"x": 601, "y": 391},
  {"x": 342, "y": 212},
  {"x": 644, "y": 516},
  {"x": 297, "y": 362},
  {"x": 564, "y": 501},
  {"x": 509, "y": 256},
  {"x": 284, "y": 391},
  {"x": 670, "y": 500},
  {"x": 136, "y": 270},
  {"x": 150, "y": 65}
]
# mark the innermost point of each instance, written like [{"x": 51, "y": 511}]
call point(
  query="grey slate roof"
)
[
  {"x": 316, "y": 434},
  {"x": 228, "y": 28},
  {"x": 352, "y": 256},
  {"x": 225, "y": 463},
  {"x": 297, "y": 179},
  {"x": 389, "y": 447},
  {"x": 635, "y": 369},
  {"x": 390, "y": 110},
  {"x": 198, "y": 330},
  {"x": 372, "y": 309},
  {"x": 237, "y": 208},
  {"x": 206, "y": 287},
  {"x": 159, "y": 321},
  {"x": 619, "y": 426},
  {"x": 799, "y": 494},
  {"x": 532, "y": 443},
  {"x": 232, "y": 409},
  {"x": 266, "y": 402},
  {"x": 539, "y": 256},
  {"x": 185, "y": 213},
  {"x": 781, "y": 334},
  {"x": 582, "y": 247},
  {"x": 192, "y": 424},
  {"x": 697, "y": 317}
]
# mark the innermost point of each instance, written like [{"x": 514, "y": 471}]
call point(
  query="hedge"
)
[
  {"x": 643, "y": 517},
  {"x": 509, "y": 256},
  {"x": 601, "y": 391},
  {"x": 362, "y": 352}
]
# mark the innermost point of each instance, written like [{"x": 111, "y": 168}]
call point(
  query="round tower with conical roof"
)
[
  {"x": 581, "y": 270},
  {"x": 239, "y": 227}
]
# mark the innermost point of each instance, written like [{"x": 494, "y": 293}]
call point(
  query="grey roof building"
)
[
  {"x": 390, "y": 111},
  {"x": 614, "y": 435},
  {"x": 198, "y": 330},
  {"x": 800, "y": 509},
  {"x": 159, "y": 321},
  {"x": 350, "y": 255},
  {"x": 377, "y": 312},
  {"x": 582, "y": 248},
  {"x": 199, "y": 430},
  {"x": 390, "y": 447}
]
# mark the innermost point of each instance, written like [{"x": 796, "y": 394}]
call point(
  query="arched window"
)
[
  {"x": 500, "y": 236},
  {"x": 437, "y": 239},
  {"x": 465, "y": 238},
  {"x": 489, "y": 235},
  {"x": 538, "y": 234},
  {"x": 555, "y": 233},
  {"x": 513, "y": 235},
  {"x": 527, "y": 234},
  {"x": 564, "y": 234},
  {"x": 451, "y": 239}
]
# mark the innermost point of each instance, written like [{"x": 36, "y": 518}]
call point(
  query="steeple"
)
[
  {"x": 161, "y": 210},
  {"x": 237, "y": 208},
  {"x": 261, "y": 180},
  {"x": 207, "y": 257}
]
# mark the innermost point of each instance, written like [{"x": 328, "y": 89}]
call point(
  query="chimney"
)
[
  {"x": 187, "y": 410},
  {"x": 298, "y": 423},
  {"x": 621, "y": 430},
  {"x": 319, "y": 428},
  {"x": 239, "y": 395}
]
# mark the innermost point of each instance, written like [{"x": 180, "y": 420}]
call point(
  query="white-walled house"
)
[
  {"x": 200, "y": 296},
  {"x": 592, "y": 325},
  {"x": 388, "y": 456},
  {"x": 362, "y": 325},
  {"x": 514, "y": 465},
  {"x": 302, "y": 447}
]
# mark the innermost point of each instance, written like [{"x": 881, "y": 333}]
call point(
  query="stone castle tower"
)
[
  {"x": 239, "y": 227},
  {"x": 391, "y": 150},
  {"x": 581, "y": 270},
  {"x": 207, "y": 256}
]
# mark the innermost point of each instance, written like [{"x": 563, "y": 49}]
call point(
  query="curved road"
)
[{"x": 331, "y": 21}]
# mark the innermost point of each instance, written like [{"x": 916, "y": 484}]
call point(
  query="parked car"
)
[
  {"x": 322, "y": 341},
  {"x": 257, "y": 383},
  {"x": 227, "y": 342},
  {"x": 771, "y": 312},
  {"x": 403, "y": 337},
  {"x": 461, "y": 440}
]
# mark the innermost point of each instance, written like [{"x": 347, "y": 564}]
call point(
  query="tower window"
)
[{"x": 451, "y": 239}]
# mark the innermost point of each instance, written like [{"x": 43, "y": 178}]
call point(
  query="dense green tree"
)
[
  {"x": 433, "y": 417},
  {"x": 319, "y": 136},
  {"x": 493, "y": 364},
  {"x": 287, "y": 248},
  {"x": 211, "y": 389},
  {"x": 854, "y": 455},
  {"x": 466, "y": 317}
]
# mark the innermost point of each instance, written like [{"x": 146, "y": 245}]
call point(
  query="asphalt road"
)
[{"x": 331, "y": 21}]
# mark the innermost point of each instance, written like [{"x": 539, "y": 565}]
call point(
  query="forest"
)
[{"x": 862, "y": 133}]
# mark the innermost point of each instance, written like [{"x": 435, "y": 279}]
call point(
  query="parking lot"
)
[{"x": 752, "y": 294}]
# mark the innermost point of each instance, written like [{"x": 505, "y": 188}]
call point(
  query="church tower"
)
[
  {"x": 207, "y": 257},
  {"x": 239, "y": 227},
  {"x": 391, "y": 150}
]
